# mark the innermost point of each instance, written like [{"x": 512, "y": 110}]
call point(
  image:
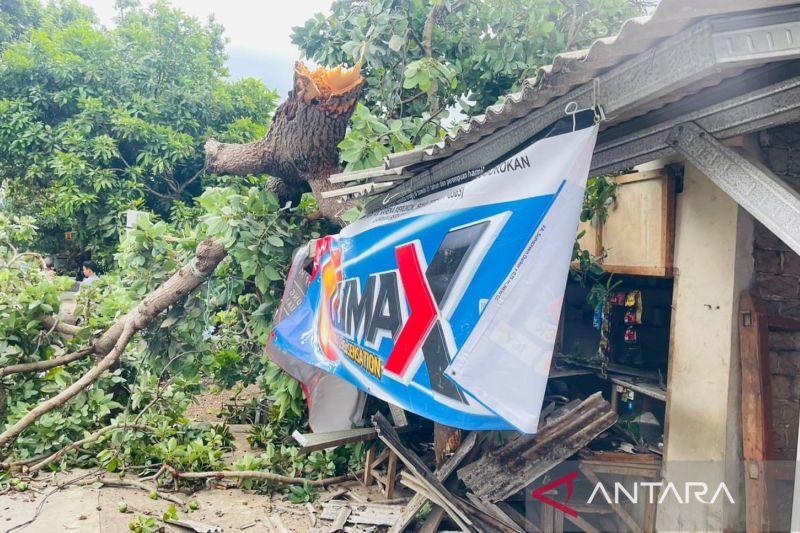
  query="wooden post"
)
[
  {"x": 368, "y": 463},
  {"x": 391, "y": 475},
  {"x": 756, "y": 409}
]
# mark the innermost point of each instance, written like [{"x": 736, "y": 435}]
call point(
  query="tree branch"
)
[
  {"x": 79, "y": 443},
  {"x": 46, "y": 364},
  {"x": 53, "y": 322},
  {"x": 266, "y": 476},
  {"x": 113, "y": 342}
]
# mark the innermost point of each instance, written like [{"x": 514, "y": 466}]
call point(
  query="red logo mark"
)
[
  {"x": 422, "y": 307},
  {"x": 539, "y": 493}
]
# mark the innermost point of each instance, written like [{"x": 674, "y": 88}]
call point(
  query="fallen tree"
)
[{"x": 299, "y": 152}]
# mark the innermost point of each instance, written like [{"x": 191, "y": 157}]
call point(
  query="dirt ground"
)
[{"x": 83, "y": 508}]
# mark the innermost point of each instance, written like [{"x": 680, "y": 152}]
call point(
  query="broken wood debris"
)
[
  {"x": 341, "y": 518},
  {"x": 449, "y": 466},
  {"x": 422, "y": 477},
  {"x": 506, "y": 471},
  {"x": 310, "y": 442},
  {"x": 375, "y": 514}
]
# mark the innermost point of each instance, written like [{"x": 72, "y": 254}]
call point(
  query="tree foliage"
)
[
  {"x": 213, "y": 338},
  {"x": 95, "y": 121},
  {"x": 424, "y": 59}
]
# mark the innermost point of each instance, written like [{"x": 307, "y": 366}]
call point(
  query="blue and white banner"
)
[{"x": 448, "y": 305}]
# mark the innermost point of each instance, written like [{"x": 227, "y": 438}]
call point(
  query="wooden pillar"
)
[{"x": 756, "y": 409}]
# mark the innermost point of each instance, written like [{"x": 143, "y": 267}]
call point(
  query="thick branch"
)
[
  {"x": 52, "y": 322},
  {"x": 47, "y": 364},
  {"x": 301, "y": 147},
  {"x": 133, "y": 484},
  {"x": 208, "y": 256}
]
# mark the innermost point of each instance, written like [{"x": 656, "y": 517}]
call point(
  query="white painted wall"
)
[{"x": 714, "y": 263}]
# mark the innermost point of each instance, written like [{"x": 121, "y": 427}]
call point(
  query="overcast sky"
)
[{"x": 258, "y": 32}]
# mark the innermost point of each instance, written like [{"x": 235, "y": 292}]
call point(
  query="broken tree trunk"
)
[{"x": 300, "y": 150}]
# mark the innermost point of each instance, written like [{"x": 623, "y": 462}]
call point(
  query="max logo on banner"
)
[{"x": 367, "y": 314}]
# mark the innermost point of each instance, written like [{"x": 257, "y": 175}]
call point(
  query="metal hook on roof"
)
[{"x": 572, "y": 107}]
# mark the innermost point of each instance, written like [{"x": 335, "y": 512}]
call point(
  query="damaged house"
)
[{"x": 693, "y": 334}]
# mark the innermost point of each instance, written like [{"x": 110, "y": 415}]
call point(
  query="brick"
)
[
  {"x": 773, "y": 308},
  {"x": 764, "y": 239},
  {"x": 781, "y": 364},
  {"x": 767, "y": 261},
  {"x": 781, "y": 387},
  {"x": 791, "y": 263},
  {"x": 790, "y": 309},
  {"x": 784, "y": 340},
  {"x": 780, "y": 438},
  {"x": 777, "y": 288},
  {"x": 785, "y": 413},
  {"x": 795, "y": 392}
]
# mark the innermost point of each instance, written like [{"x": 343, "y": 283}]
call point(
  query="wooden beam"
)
[
  {"x": 756, "y": 409},
  {"x": 391, "y": 475},
  {"x": 369, "y": 459},
  {"x": 310, "y": 442},
  {"x": 415, "y": 466},
  {"x": 441, "y": 474}
]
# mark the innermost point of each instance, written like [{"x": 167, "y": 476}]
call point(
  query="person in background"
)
[
  {"x": 48, "y": 267},
  {"x": 89, "y": 270}
]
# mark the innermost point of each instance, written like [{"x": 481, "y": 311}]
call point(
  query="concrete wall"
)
[{"x": 713, "y": 258}]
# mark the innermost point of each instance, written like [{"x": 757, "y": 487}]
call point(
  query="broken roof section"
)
[{"x": 572, "y": 72}]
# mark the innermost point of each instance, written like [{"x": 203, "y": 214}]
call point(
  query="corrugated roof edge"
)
[{"x": 575, "y": 68}]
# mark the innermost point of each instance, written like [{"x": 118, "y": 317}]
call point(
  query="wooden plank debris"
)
[
  {"x": 431, "y": 524},
  {"x": 310, "y": 442},
  {"x": 370, "y": 174},
  {"x": 374, "y": 514},
  {"x": 420, "y": 471},
  {"x": 198, "y": 527},
  {"x": 497, "y": 476},
  {"x": 495, "y": 512},
  {"x": 449, "y": 466},
  {"x": 312, "y": 514},
  {"x": 341, "y": 518}
]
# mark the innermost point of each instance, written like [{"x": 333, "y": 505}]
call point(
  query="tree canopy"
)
[
  {"x": 424, "y": 59},
  {"x": 94, "y": 121}
]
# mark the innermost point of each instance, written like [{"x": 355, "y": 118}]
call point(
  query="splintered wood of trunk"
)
[{"x": 300, "y": 150}]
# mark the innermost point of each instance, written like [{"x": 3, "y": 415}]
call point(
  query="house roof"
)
[{"x": 569, "y": 71}]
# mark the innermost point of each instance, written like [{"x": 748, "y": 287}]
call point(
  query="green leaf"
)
[
  {"x": 276, "y": 241},
  {"x": 396, "y": 43}
]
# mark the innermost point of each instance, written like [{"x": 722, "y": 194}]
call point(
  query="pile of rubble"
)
[{"x": 473, "y": 486}]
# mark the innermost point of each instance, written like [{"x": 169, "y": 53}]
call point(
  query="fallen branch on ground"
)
[
  {"x": 77, "y": 444},
  {"x": 133, "y": 484},
  {"x": 266, "y": 476},
  {"x": 113, "y": 342}
]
